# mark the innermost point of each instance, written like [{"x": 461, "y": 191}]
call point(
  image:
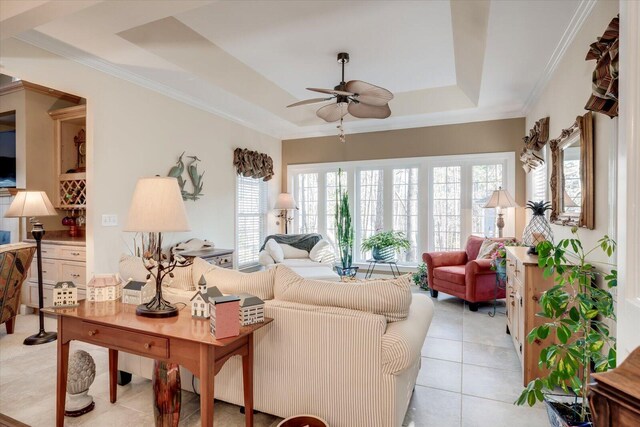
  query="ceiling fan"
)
[{"x": 355, "y": 97}]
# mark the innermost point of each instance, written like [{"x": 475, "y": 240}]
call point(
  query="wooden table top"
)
[{"x": 123, "y": 316}]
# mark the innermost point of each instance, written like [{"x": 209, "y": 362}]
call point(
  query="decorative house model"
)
[
  {"x": 104, "y": 287},
  {"x": 251, "y": 309},
  {"x": 224, "y": 322},
  {"x": 137, "y": 292},
  {"x": 200, "y": 301},
  {"x": 65, "y": 294}
]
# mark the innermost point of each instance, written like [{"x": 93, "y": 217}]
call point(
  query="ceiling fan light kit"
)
[{"x": 360, "y": 99}]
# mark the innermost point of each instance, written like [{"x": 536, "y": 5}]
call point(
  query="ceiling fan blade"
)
[
  {"x": 332, "y": 112},
  {"x": 364, "y": 111},
  {"x": 309, "y": 101},
  {"x": 369, "y": 94},
  {"x": 330, "y": 91}
]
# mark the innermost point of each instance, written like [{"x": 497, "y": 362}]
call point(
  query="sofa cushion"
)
[
  {"x": 390, "y": 298},
  {"x": 132, "y": 268},
  {"x": 293, "y": 253},
  {"x": 229, "y": 281},
  {"x": 452, "y": 273},
  {"x": 299, "y": 263},
  {"x": 320, "y": 251},
  {"x": 182, "y": 278},
  {"x": 487, "y": 249},
  {"x": 274, "y": 249},
  {"x": 198, "y": 269}
]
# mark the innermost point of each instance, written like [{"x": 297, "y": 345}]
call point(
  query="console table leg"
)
[
  {"x": 247, "y": 382},
  {"x": 61, "y": 385},
  {"x": 113, "y": 375},
  {"x": 207, "y": 378}
]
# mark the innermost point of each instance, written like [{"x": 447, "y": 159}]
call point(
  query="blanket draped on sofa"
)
[{"x": 305, "y": 242}]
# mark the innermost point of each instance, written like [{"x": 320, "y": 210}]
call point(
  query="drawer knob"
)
[
  {"x": 44, "y": 271},
  {"x": 75, "y": 275},
  {"x": 75, "y": 253},
  {"x": 92, "y": 333},
  {"x": 147, "y": 346}
]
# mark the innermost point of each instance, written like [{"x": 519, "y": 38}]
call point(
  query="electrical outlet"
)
[{"x": 109, "y": 220}]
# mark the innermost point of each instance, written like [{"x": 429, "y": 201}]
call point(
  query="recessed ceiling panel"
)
[{"x": 400, "y": 45}]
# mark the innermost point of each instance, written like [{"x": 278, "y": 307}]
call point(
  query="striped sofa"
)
[{"x": 348, "y": 366}]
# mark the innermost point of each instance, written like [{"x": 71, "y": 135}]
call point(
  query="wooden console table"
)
[{"x": 114, "y": 325}]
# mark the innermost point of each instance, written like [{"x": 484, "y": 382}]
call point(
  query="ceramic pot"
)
[
  {"x": 557, "y": 420},
  {"x": 383, "y": 254}
]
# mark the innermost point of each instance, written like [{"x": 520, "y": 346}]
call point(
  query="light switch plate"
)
[{"x": 109, "y": 220}]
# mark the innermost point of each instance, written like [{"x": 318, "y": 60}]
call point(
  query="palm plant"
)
[
  {"x": 578, "y": 311},
  {"x": 344, "y": 226}
]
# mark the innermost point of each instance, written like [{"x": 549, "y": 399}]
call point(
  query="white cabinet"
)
[{"x": 59, "y": 263}]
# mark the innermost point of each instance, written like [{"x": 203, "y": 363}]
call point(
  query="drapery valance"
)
[
  {"x": 252, "y": 163},
  {"x": 535, "y": 141},
  {"x": 605, "y": 77}
]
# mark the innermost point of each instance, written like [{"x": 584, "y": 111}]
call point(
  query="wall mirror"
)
[{"x": 572, "y": 185}]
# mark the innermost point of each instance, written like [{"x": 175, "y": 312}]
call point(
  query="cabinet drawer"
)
[
  {"x": 49, "y": 271},
  {"x": 73, "y": 254},
  {"x": 75, "y": 272},
  {"x": 47, "y": 295},
  {"x": 49, "y": 251},
  {"x": 143, "y": 344}
]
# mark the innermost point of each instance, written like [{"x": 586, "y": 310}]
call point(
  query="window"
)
[
  {"x": 447, "y": 224},
  {"x": 485, "y": 180},
  {"x": 405, "y": 209},
  {"x": 251, "y": 208},
  {"x": 307, "y": 199},
  {"x": 370, "y": 216},
  {"x": 331, "y": 185},
  {"x": 539, "y": 184}
]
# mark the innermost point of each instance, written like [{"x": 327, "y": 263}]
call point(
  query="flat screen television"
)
[{"x": 8, "y": 150}]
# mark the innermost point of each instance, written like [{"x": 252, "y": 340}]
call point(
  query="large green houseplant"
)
[
  {"x": 579, "y": 312},
  {"x": 385, "y": 244},
  {"x": 344, "y": 230}
]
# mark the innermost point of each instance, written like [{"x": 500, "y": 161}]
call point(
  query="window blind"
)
[{"x": 251, "y": 209}]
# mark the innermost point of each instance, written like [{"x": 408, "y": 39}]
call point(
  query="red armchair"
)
[{"x": 460, "y": 274}]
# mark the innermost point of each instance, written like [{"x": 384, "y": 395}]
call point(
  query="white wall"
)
[
  {"x": 134, "y": 132},
  {"x": 563, "y": 100}
]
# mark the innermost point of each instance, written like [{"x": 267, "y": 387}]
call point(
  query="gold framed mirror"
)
[{"x": 572, "y": 182}]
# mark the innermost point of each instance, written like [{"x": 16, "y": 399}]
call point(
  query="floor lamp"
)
[
  {"x": 284, "y": 204},
  {"x": 32, "y": 204},
  {"x": 499, "y": 200}
]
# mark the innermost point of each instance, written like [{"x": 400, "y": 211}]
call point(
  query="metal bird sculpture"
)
[
  {"x": 177, "y": 171},
  {"x": 196, "y": 179}
]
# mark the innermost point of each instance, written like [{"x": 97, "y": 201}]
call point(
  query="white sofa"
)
[
  {"x": 300, "y": 261},
  {"x": 350, "y": 367}
]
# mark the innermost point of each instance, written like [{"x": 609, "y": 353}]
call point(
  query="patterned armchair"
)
[{"x": 15, "y": 261}]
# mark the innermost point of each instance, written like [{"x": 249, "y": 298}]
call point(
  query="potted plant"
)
[
  {"x": 499, "y": 259},
  {"x": 420, "y": 277},
  {"x": 578, "y": 311},
  {"x": 344, "y": 232},
  {"x": 385, "y": 244}
]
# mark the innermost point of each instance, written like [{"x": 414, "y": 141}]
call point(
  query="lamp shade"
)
[
  {"x": 501, "y": 199},
  {"x": 30, "y": 204},
  {"x": 285, "y": 201},
  {"x": 157, "y": 206}
]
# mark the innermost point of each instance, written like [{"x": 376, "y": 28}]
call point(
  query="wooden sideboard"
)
[
  {"x": 525, "y": 285},
  {"x": 219, "y": 257}
]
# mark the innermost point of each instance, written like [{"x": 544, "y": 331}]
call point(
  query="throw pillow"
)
[
  {"x": 182, "y": 279},
  {"x": 132, "y": 268},
  {"x": 199, "y": 268},
  {"x": 274, "y": 250},
  {"x": 234, "y": 282},
  {"x": 390, "y": 298},
  {"x": 293, "y": 253},
  {"x": 487, "y": 249},
  {"x": 320, "y": 250}
]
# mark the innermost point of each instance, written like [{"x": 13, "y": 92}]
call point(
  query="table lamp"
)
[
  {"x": 157, "y": 207},
  {"x": 32, "y": 204},
  {"x": 499, "y": 200},
  {"x": 284, "y": 204}
]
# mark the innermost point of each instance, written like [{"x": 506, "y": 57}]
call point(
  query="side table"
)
[
  {"x": 372, "y": 265},
  {"x": 501, "y": 283}
]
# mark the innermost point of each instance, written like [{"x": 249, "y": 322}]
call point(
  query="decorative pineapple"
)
[{"x": 538, "y": 230}]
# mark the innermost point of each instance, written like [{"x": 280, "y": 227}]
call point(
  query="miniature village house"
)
[
  {"x": 137, "y": 292},
  {"x": 65, "y": 294},
  {"x": 200, "y": 301},
  {"x": 105, "y": 287},
  {"x": 251, "y": 309},
  {"x": 224, "y": 322}
]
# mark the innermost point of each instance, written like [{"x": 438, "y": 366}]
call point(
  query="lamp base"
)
[
  {"x": 156, "y": 311},
  {"x": 41, "y": 337}
]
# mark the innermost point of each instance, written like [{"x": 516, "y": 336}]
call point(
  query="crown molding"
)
[
  {"x": 579, "y": 17},
  {"x": 64, "y": 50}
]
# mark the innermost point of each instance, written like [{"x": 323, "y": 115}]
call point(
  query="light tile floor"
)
[{"x": 470, "y": 376}]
